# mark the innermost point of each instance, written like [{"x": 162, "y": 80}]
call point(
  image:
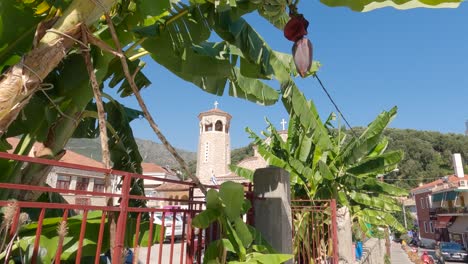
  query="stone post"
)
[
  {"x": 273, "y": 212},
  {"x": 345, "y": 239}
]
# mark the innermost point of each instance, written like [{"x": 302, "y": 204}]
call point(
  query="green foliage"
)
[
  {"x": 243, "y": 242},
  {"x": 241, "y": 153},
  {"x": 15, "y": 35},
  {"x": 49, "y": 237},
  {"x": 409, "y": 219},
  {"x": 428, "y": 155},
  {"x": 208, "y": 65},
  {"x": 242, "y": 172},
  {"x": 324, "y": 165}
]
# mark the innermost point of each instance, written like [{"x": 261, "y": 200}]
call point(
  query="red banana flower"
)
[
  {"x": 295, "y": 30},
  {"x": 302, "y": 54}
]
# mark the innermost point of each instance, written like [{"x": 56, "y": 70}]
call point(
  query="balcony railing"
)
[{"x": 452, "y": 210}]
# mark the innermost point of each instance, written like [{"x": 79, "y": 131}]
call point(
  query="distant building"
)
[
  {"x": 72, "y": 179},
  {"x": 214, "y": 148},
  {"x": 442, "y": 208}
]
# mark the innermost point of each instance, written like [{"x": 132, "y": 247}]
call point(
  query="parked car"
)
[
  {"x": 168, "y": 221},
  {"x": 453, "y": 251}
]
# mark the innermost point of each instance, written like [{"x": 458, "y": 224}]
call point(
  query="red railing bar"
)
[
  {"x": 11, "y": 156},
  {"x": 102, "y": 226},
  {"x": 60, "y": 206},
  {"x": 55, "y": 190},
  {"x": 60, "y": 242},
  {"x": 199, "y": 245},
  {"x": 308, "y": 200},
  {"x": 172, "y": 237},
  {"x": 190, "y": 246},
  {"x": 122, "y": 221},
  {"x": 149, "y": 210},
  {"x": 184, "y": 222},
  {"x": 316, "y": 208},
  {"x": 5, "y": 155},
  {"x": 190, "y": 231},
  {"x": 162, "y": 236},
  {"x": 147, "y": 177},
  {"x": 137, "y": 232},
  {"x": 82, "y": 235},
  {"x": 150, "y": 238},
  {"x": 140, "y": 197},
  {"x": 38, "y": 236},
  {"x": 14, "y": 225},
  {"x": 13, "y": 229}
]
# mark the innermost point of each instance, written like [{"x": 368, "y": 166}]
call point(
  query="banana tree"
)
[
  {"x": 175, "y": 34},
  {"x": 323, "y": 164}
]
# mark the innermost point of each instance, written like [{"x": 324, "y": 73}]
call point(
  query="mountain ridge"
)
[{"x": 150, "y": 151}]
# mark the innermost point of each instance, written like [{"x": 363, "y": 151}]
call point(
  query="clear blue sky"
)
[{"x": 416, "y": 60}]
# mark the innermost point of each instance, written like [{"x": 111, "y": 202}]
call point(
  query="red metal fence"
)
[
  {"x": 87, "y": 238},
  {"x": 315, "y": 238},
  {"x": 177, "y": 242}
]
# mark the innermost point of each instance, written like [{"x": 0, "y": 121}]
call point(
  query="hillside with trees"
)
[{"x": 428, "y": 154}]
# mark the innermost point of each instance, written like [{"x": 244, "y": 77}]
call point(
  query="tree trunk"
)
[{"x": 22, "y": 80}]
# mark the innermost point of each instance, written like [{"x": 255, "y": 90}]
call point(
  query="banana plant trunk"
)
[{"x": 22, "y": 80}]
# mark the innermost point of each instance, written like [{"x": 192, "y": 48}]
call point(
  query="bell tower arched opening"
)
[{"x": 219, "y": 126}]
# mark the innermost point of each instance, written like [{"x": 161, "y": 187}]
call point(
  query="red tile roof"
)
[
  {"x": 451, "y": 178},
  {"x": 70, "y": 156},
  {"x": 151, "y": 167},
  {"x": 73, "y": 157},
  {"x": 172, "y": 187}
]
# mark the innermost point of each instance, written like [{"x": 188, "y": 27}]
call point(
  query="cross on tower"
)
[
  {"x": 283, "y": 122},
  {"x": 216, "y": 104}
]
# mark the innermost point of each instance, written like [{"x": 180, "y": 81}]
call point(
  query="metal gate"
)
[
  {"x": 177, "y": 242},
  {"x": 315, "y": 239}
]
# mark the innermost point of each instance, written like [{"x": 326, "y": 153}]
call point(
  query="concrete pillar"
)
[
  {"x": 73, "y": 183},
  {"x": 273, "y": 213},
  {"x": 345, "y": 239},
  {"x": 90, "y": 185}
]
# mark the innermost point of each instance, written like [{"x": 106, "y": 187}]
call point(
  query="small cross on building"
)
[
  {"x": 283, "y": 122},
  {"x": 216, "y": 104}
]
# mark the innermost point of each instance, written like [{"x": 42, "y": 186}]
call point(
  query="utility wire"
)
[{"x": 336, "y": 106}]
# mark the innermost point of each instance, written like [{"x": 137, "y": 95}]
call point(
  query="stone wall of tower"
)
[{"x": 214, "y": 150}]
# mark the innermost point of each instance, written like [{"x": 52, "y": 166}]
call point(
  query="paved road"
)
[
  {"x": 166, "y": 253},
  {"x": 432, "y": 253},
  {"x": 400, "y": 257}
]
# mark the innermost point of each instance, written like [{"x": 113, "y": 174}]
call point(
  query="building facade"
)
[{"x": 442, "y": 208}]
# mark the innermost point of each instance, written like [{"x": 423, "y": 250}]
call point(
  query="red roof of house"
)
[
  {"x": 70, "y": 156},
  {"x": 172, "y": 187},
  {"x": 151, "y": 167},
  {"x": 451, "y": 178},
  {"x": 73, "y": 157}
]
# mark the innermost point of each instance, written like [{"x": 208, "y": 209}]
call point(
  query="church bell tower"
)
[{"x": 214, "y": 150}]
